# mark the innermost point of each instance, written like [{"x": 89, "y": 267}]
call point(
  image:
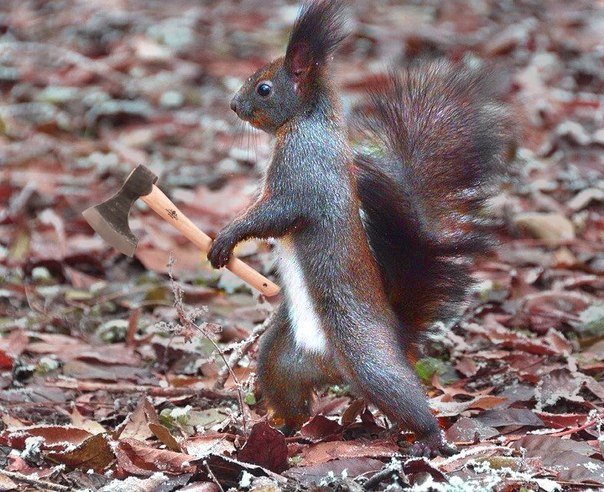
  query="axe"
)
[{"x": 110, "y": 220}]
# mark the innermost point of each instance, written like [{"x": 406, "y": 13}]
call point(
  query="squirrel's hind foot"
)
[{"x": 431, "y": 447}]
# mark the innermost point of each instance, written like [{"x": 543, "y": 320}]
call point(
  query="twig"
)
[
  {"x": 237, "y": 383},
  {"x": 240, "y": 350},
  {"x": 212, "y": 476},
  {"x": 586, "y": 425},
  {"x": 187, "y": 322},
  {"x": 137, "y": 388},
  {"x": 36, "y": 482}
]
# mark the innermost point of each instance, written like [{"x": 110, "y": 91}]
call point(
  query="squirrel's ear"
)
[
  {"x": 318, "y": 31},
  {"x": 299, "y": 60}
]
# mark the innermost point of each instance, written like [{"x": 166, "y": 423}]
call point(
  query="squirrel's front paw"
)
[{"x": 221, "y": 251}]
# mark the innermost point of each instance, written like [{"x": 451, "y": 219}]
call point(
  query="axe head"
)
[{"x": 110, "y": 218}]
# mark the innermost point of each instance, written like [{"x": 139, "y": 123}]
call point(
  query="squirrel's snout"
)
[{"x": 234, "y": 104}]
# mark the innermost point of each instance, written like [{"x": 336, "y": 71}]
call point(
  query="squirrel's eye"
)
[{"x": 264, "y": 88}]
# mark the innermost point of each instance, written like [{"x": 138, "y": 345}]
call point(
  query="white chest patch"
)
[{"x": 302, "y": 314}]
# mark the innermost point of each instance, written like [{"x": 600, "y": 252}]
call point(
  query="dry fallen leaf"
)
[
  {"x": 95, "y": 453},
  {"x": 265, "y": 447},
  {"x": 327, "y": 451},
  {"x": 552, "y": 228}
]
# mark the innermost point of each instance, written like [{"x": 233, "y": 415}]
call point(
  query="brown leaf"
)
[
  {"x": 562, "y": 420},
  {"x": 353, "y": 467},
  {"x": 155, "y": 483},
  {"x": 452, "y": 408},
  {"x": 94, "y": 453},
  {"x": 206, "y": 444},
  {"x": 571, "y": 459},
  {"x": 320, "y": 428},
  {"x": 230, "y": 470},
  {"x": 467, "y": 366},
  {"x": 6, "y": 361},
  {"x": 498, "y": 334},
  {"x": 559, "y": 384},
  {"x": 353, "y": 410},
  {"x": 55, "y": 437},
  {"x": 11, "y": 347},
  {"x": 552, "y": 228},
  {"x": 7, "y": 484},
  {"x": 163, "y": 434},
  {"x": 79, "y": 421},
  {"x": 69, "y": 348},
  {"x": 510, "y": 416},
  {"x": 328, "y": 451},
  {"x": 156, "y": 260},
  {"x": 466, "y": 430},
  {"x": 78, "y": 369},
  {"x": 471, "y": 454},
  {"x": 139, "y": 459},
  {"x": 265, "y": 447},
  {"x": 136, "y": 424}
]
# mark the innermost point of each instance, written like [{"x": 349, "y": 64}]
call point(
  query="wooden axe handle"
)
[{"x": 161, "y": 204}]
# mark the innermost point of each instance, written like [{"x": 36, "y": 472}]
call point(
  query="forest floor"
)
[{"x": 110, "y": 367}]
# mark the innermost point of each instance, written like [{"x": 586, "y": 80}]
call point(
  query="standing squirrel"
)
[{"x": 371, "y": 246}]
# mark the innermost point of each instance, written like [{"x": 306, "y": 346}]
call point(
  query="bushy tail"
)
[{"x": 438, "y": 141}]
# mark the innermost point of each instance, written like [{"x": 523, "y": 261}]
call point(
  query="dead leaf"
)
[
  {"x": 139, "y": 459},
  {"x": 209, "y": 443},
  {"x": 136, "y": 425},
  {"x": 230, "y": 470},
  {"x": 562, "y": 420},
  {"x": 163, "y": 434},
  {"x": 328, "y": 451},
  {"x": 94, "y": 453},
  {"x": 552, "y": 228},
  {"x": 582, "y": 199},
  {"x": 54, "y": 437},
  {"x": 559, "y": 384},
  {"x": 452, "y": 408},
  {"x": 7, "y": 484},
  {"x": 11, "y": 348},
  {"x": 352, "y": 467},
  {"x": 265, "y": 447},
  {"x": 320, "y": 428},
  {"x": 571, "y": 459},
  {"x": 509, "y": 416},
  {"x": 468, "y": 430},
  {"x": 83, "y": 423}
]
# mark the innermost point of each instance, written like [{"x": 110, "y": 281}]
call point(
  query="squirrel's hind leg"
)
[
  {"x": 384, "y": 377},
  {"x": 288, "y": 374}
]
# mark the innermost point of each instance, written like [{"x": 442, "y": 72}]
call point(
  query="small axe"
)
[{"x": 110, "y": 220}]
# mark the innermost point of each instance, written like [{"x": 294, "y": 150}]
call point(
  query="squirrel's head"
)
[{"x": 287, "y": 86}]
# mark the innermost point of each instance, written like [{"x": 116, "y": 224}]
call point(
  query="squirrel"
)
[{"x": 372, "y": 245}]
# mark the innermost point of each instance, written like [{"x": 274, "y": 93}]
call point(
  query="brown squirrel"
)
[{"x": 370, "y": 245}]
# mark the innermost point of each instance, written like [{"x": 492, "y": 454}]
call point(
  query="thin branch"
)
[
  {"x": 187, "y": 322},
  {"x": 36, "y": 482},
  {"x": 137, "y": 388},
  {"x": 212, "y": 476},
  {"x": 586, "y": 425},
  {"x": 240, "y": 351}
]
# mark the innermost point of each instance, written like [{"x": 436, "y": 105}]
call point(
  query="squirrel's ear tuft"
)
[{"x": 318, "y": 31}]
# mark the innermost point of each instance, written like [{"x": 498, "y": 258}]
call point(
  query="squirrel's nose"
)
[{"x": 234, "y": 104}]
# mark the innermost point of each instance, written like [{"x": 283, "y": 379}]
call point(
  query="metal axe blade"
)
[{"x": 120, "y": 238}]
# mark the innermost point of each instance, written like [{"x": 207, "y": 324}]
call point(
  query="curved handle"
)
[{"x": 164, "y": 207}]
